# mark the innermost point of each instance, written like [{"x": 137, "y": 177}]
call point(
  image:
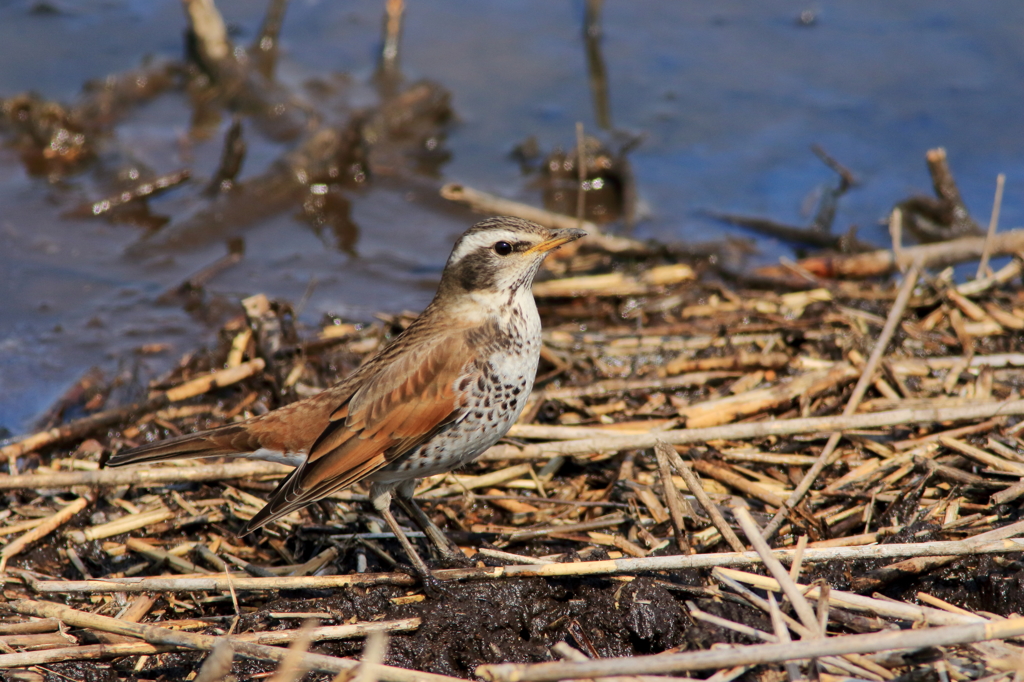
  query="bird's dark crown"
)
[{"x": 526, "y": 227}]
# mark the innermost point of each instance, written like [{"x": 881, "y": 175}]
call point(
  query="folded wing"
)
[{"x": 409, "y": 399}]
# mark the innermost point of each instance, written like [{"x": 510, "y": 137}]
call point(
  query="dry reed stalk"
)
[
  {"x": 734, "y": 480},
  {"x": 982, "y": 284},
  {"x": 883, "y": 262},
  {"x": 993, "y": 223},
  {"x": 615, "y": 284},
  {"x": 697, "y": 490},
  {"x": 20, "y": 527},
  {"x": 160, "y": 556},
  {"x": 777, "y": 427},
  {"x": 744, "y": 360},
  {"x": 884, "y": 608},
  {"x": 125, "y": 524},
  {"x": 46, "y": 527},
  {"x": 755, "y": 654},
  {"x": 563, "y": 650},
  {"x": 37, "y": 642},
  {"x": 218, "y": 379},
  {"x": 89, "y": 652},
  {"x": 986, "y": 458},
  {"x": 903, "y": 569},
  {"x": 218, "y": 583},
  {"x": 163, "y": 636},
  {"x": 133, "y": 613},
  {"x": 852, "y": 663},
  {"x": 854, "y": 540},
  {"x": 209, "y": 29},
  {"x": 292, "y": 667},
  {"x": 30, "y": 627},
  {"x": 145, "y": 476},
  {"x": 866, "y": 378},
  {"x": 394, "y": 11},
  {"x": 912, "y": 366},
  {"x": 218, "y": 664},
  {"x": 508, "y": 556},
  {"x": 766, "y": 458},
  {"x": 613, "y": 386},
  {"x": 753, "y": 633},
  {"x": 782, "y": 636},
  {"x": 332, "y": 632},
  {"x": 464, "y": 483},
  {"x": 775, "y": 567},
  {"x": 672, "y": 497},
  {"x": 1010, "y": 494},
  {"x": 373, "y": 655},
  {"x": 601, "y": 522},
  {"x": 940, "y": 604},
  {"x": 725, "y": 410},
  {"x": 914, "y": 443}
]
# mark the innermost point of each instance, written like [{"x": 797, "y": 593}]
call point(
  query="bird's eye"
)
[{"x": 502, "y": 248}]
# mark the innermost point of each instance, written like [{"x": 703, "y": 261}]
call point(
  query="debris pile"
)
[{"x": 720, "y": 473}]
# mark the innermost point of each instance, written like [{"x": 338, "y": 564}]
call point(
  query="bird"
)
[{"x": 446, "y": 389}]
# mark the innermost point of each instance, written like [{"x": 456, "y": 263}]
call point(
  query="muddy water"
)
[{"x": 727, "y": 97}]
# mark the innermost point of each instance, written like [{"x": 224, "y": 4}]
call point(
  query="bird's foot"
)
[{"x": 432, "y": 587}]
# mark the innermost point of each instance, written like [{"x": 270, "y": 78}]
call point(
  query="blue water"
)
[{"x": 728, "y": 97}]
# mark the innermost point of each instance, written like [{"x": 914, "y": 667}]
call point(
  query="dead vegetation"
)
[
  {"x": 711, "y": 478},
  {"x": 581, "y": 534}
]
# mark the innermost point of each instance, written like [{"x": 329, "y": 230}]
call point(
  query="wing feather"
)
[{"x": 397, "y": 408}]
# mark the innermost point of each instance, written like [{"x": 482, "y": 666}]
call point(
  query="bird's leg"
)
[
  {"x": 449, "y": 551},
  {"x": 381, "y": 500}
]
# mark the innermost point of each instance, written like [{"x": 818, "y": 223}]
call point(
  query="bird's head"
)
[{"x": 500, "y": 256}]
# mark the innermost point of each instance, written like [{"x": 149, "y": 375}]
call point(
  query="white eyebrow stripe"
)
[{"x": 470, "y": 243}]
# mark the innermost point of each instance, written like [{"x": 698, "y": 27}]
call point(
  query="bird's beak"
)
[{"x": 557, "y": 238}]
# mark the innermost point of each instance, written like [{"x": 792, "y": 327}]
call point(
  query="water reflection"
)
[
  {"x": 328, "y": 212},
  {"x": 606, "y": 182}
]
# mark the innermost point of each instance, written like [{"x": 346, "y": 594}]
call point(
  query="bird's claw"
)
[{"x": 432, "y": 587}]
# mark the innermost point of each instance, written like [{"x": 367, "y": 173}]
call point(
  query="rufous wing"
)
[{"x": 404, "y": 402}]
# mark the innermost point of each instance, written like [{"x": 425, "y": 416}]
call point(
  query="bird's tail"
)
[{"x": 213, "y": 443}]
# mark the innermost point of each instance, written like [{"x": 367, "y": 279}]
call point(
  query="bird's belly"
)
[{"x": 457, "y": 446}]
